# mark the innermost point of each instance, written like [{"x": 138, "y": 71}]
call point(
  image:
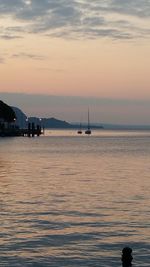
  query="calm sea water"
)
[{"x": 68, "y": 200}]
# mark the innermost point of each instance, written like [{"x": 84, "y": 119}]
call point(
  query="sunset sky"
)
[{"x": 59, "y": 57}]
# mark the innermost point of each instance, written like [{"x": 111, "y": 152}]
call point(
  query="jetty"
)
[
  {"x": 10, "y": 127},
  {"x": 31, "y": 131}
]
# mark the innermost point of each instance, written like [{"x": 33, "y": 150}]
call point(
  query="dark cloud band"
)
[{"x": 77, "y": 18}]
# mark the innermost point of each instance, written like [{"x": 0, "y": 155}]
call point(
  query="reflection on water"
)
[{"x": 68, "y": 200}]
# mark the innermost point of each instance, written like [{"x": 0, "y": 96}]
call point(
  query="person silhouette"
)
[{"x": 127, "y": 257}]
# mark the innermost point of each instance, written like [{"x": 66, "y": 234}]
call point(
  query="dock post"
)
[
  {"x": 29, "y": 129},
  {"x": 33, "y": 129},
  {"x": 38, "y": 130}
]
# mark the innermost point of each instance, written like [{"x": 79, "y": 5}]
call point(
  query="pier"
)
[{"x": 31, "y": 131}]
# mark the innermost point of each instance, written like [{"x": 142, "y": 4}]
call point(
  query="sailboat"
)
[
  {"x": 79, "y": 131},
  {"x": 88, "y": 131}
]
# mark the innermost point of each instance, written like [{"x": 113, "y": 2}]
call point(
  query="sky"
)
[{"x": 58, "y": 58}]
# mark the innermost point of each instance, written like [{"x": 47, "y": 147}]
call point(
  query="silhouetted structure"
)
[
  {"x": 7, "y": 114},
  {"x": 32, "y": 130},
  {"x": 7, "y": 120},
  {"x": 127, "y": 257}
]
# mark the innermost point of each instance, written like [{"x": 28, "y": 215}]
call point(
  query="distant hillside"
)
[
  {"x": 55, "y": 123},
  {"x": 22, "y": 121},
  {"x": 20, "y": 118},
  {"x": 49, "y": 123}
]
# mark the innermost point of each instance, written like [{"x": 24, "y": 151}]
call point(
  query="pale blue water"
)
[{"x": 69, "y": 200}]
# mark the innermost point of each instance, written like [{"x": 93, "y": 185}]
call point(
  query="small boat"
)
[
  {"x": 88, "y": 131},
  {"x": 79, "y": 131}
]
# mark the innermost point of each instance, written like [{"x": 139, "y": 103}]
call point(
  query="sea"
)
[{"x": 69, "y": 200}]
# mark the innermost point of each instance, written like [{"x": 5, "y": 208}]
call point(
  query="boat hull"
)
[{"x": 88, "y": 132}]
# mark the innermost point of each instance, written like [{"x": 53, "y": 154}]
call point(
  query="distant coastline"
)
[
  {"x": 22, "y": 121},
  {"x": 48, "y": 123},
  {"x": 53, "y": 123}
]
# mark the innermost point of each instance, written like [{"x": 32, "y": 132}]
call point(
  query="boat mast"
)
[{"x": 88, "y": 120}]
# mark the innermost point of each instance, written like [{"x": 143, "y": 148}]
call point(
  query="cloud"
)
[
  {"x": 27, "y": 55},
  {"x": 9, "y": 37},
  {"x": 9, "y": 33},
  {"x": 79, "y": 18},
  {"x": 138, "y": 8}
]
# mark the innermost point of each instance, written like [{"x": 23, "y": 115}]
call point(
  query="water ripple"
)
[{"x": 73, "y": 201}]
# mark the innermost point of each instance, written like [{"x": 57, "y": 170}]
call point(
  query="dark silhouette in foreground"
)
[{"x": 127, "y": 257}]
